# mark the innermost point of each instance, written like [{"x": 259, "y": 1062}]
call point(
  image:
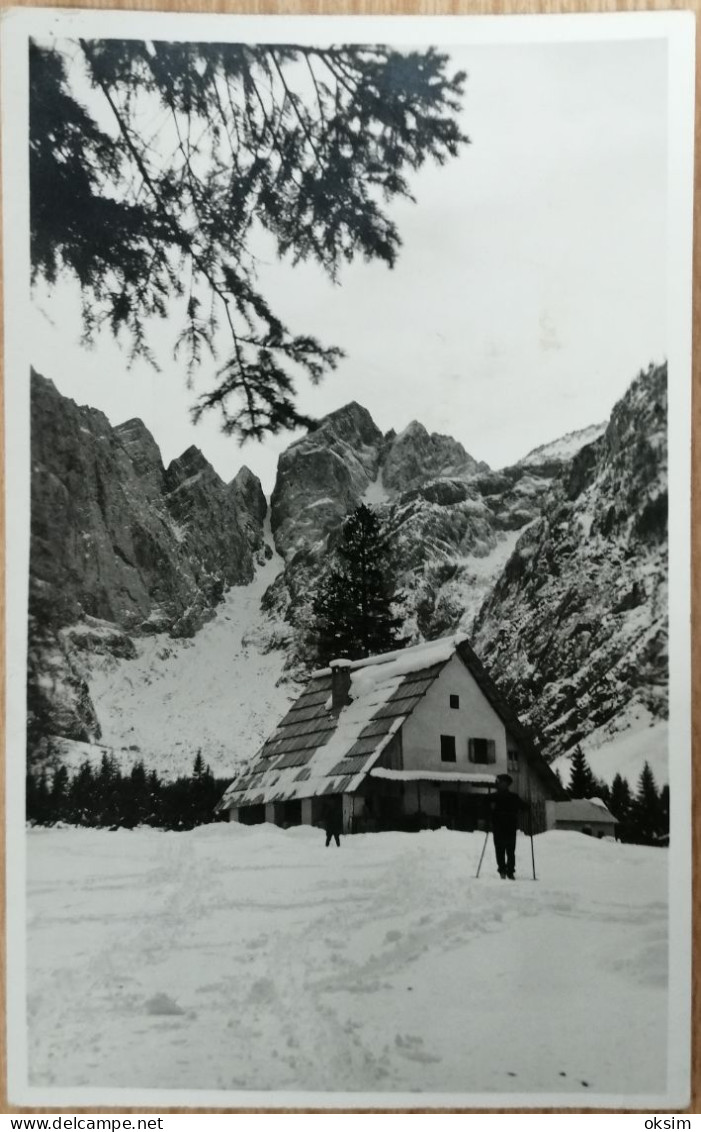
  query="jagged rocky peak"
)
[
  {"x": 351, "y": 423},
  {"x": 415, "y": 455},
  {"x": 428, "y": 486},
  {"x": 247, "y": 488},
  {"x": 105, "y": 542},
  {"x": 636, "y": 436},
  {"x": 144, "y": 453},
  {"x": 250, "y": 503},
  {"x": 324, "y": 475},
  {"x": 140, "y": 444},
  {"x": 345, "y": 460},
  {"x": 554, "y": 566},
  {"x": 191, "y": 463}
]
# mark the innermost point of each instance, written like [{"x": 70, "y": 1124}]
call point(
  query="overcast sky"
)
[{"x": 529, "y": 291}]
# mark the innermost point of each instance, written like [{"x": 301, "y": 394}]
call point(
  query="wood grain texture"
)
[{"x": 434, "y": 8}]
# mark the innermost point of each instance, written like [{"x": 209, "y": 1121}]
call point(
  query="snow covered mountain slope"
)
[
  {"x": 575, "y": 628},
  {"x": 555, "y": 567},
  {"x": 217, "y": 692},
  {"x": 247, "y": 957},
  {"x": 451, "y": 519},
  {"x": 121, "y": 549},
  {"x": 565, "y": 447}
]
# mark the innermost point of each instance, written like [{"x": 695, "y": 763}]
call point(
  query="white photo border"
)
[{"x": 678, "y": 29}]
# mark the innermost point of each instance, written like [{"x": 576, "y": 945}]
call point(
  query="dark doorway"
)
[
  {"x": 252, "y": 815},
  {"x": 461, "y": 810},
  {"x": 389, "y": 810},
  {"x": 288, "y": 813}
]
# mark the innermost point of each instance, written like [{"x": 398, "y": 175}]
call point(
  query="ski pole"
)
[
  {"x": 486, "y": 839},
  {"x": 530, "y": 826}
]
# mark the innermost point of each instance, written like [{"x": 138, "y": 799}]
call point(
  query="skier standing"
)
[{"x": 504, "y": 808}]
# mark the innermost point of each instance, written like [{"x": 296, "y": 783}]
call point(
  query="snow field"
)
[
  {"x": 239, "y": 958},
  {"x": 217, "y": 692},
  {"x": 565, "y": 447}
]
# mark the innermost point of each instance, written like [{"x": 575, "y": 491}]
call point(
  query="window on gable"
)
[
  {"x": 481, "y": 750},
  {"x": 512, "y": 759},
  {"x": 455, "y": 701},
  {"x": 448, "y": 748}
]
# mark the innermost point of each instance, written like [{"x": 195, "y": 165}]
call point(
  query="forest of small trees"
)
[
  {"x": 643, "y": 814},
  {"x": 108, "y": 797}
]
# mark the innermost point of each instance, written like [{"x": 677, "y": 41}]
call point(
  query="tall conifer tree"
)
[
  {"x": 646, "y": 811},
  {"x": 620, "y": 798},
  {"x": 355, "y": 607},
  {"x": 582, "y": 781}
]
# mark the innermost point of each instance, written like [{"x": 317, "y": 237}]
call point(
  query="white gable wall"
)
[{"x": 433, "y": 717}]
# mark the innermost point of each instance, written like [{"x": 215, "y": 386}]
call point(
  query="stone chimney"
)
[{"x": 340, "y": 684}]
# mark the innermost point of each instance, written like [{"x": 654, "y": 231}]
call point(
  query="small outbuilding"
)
[
  {"x": 406, "y": 740},
  {"x": 585, "y": 815}
]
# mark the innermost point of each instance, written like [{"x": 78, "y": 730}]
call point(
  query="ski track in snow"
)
[
  {"x": 235, "y": 958},
  {"x": 216, "y": 691}
]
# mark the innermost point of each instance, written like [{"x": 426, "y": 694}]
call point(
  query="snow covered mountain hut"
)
[
  {"x": 586, "y": 815},
  {"x": 406, "y": 740}
]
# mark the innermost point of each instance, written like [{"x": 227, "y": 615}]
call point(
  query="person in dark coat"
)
[
  {"x": 333, "y": 822},
  {"x": 504, "y": 811}
]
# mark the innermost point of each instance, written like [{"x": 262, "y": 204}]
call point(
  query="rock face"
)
[
  {"x": 120, "y": 545},
  {"x": 251, "y": 506},
  {"x": 416, "y": 455},
  {"x": 58, "y": 697},
  {"x": 322, "y": 477},
  {"x": 452, "y": 519},
  {"x": 576, "y": 625},
  {"x": 555, "y": 567},
  {"x": 118, "y": 537}
]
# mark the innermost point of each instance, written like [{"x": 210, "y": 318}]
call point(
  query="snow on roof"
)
[
  {"x": 432, "y": 776},
  {"x": 409, "y": 660},
  {"x": 598, "y": 802},
  {"x": 585, "y": 810},
  {"x": 315, "y": 750}
]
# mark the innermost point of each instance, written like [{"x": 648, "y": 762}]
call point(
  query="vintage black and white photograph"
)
[{"x": 348, "y": 378}]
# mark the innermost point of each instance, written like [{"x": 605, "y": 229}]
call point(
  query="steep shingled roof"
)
[{"x": 315, "y": 751}]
